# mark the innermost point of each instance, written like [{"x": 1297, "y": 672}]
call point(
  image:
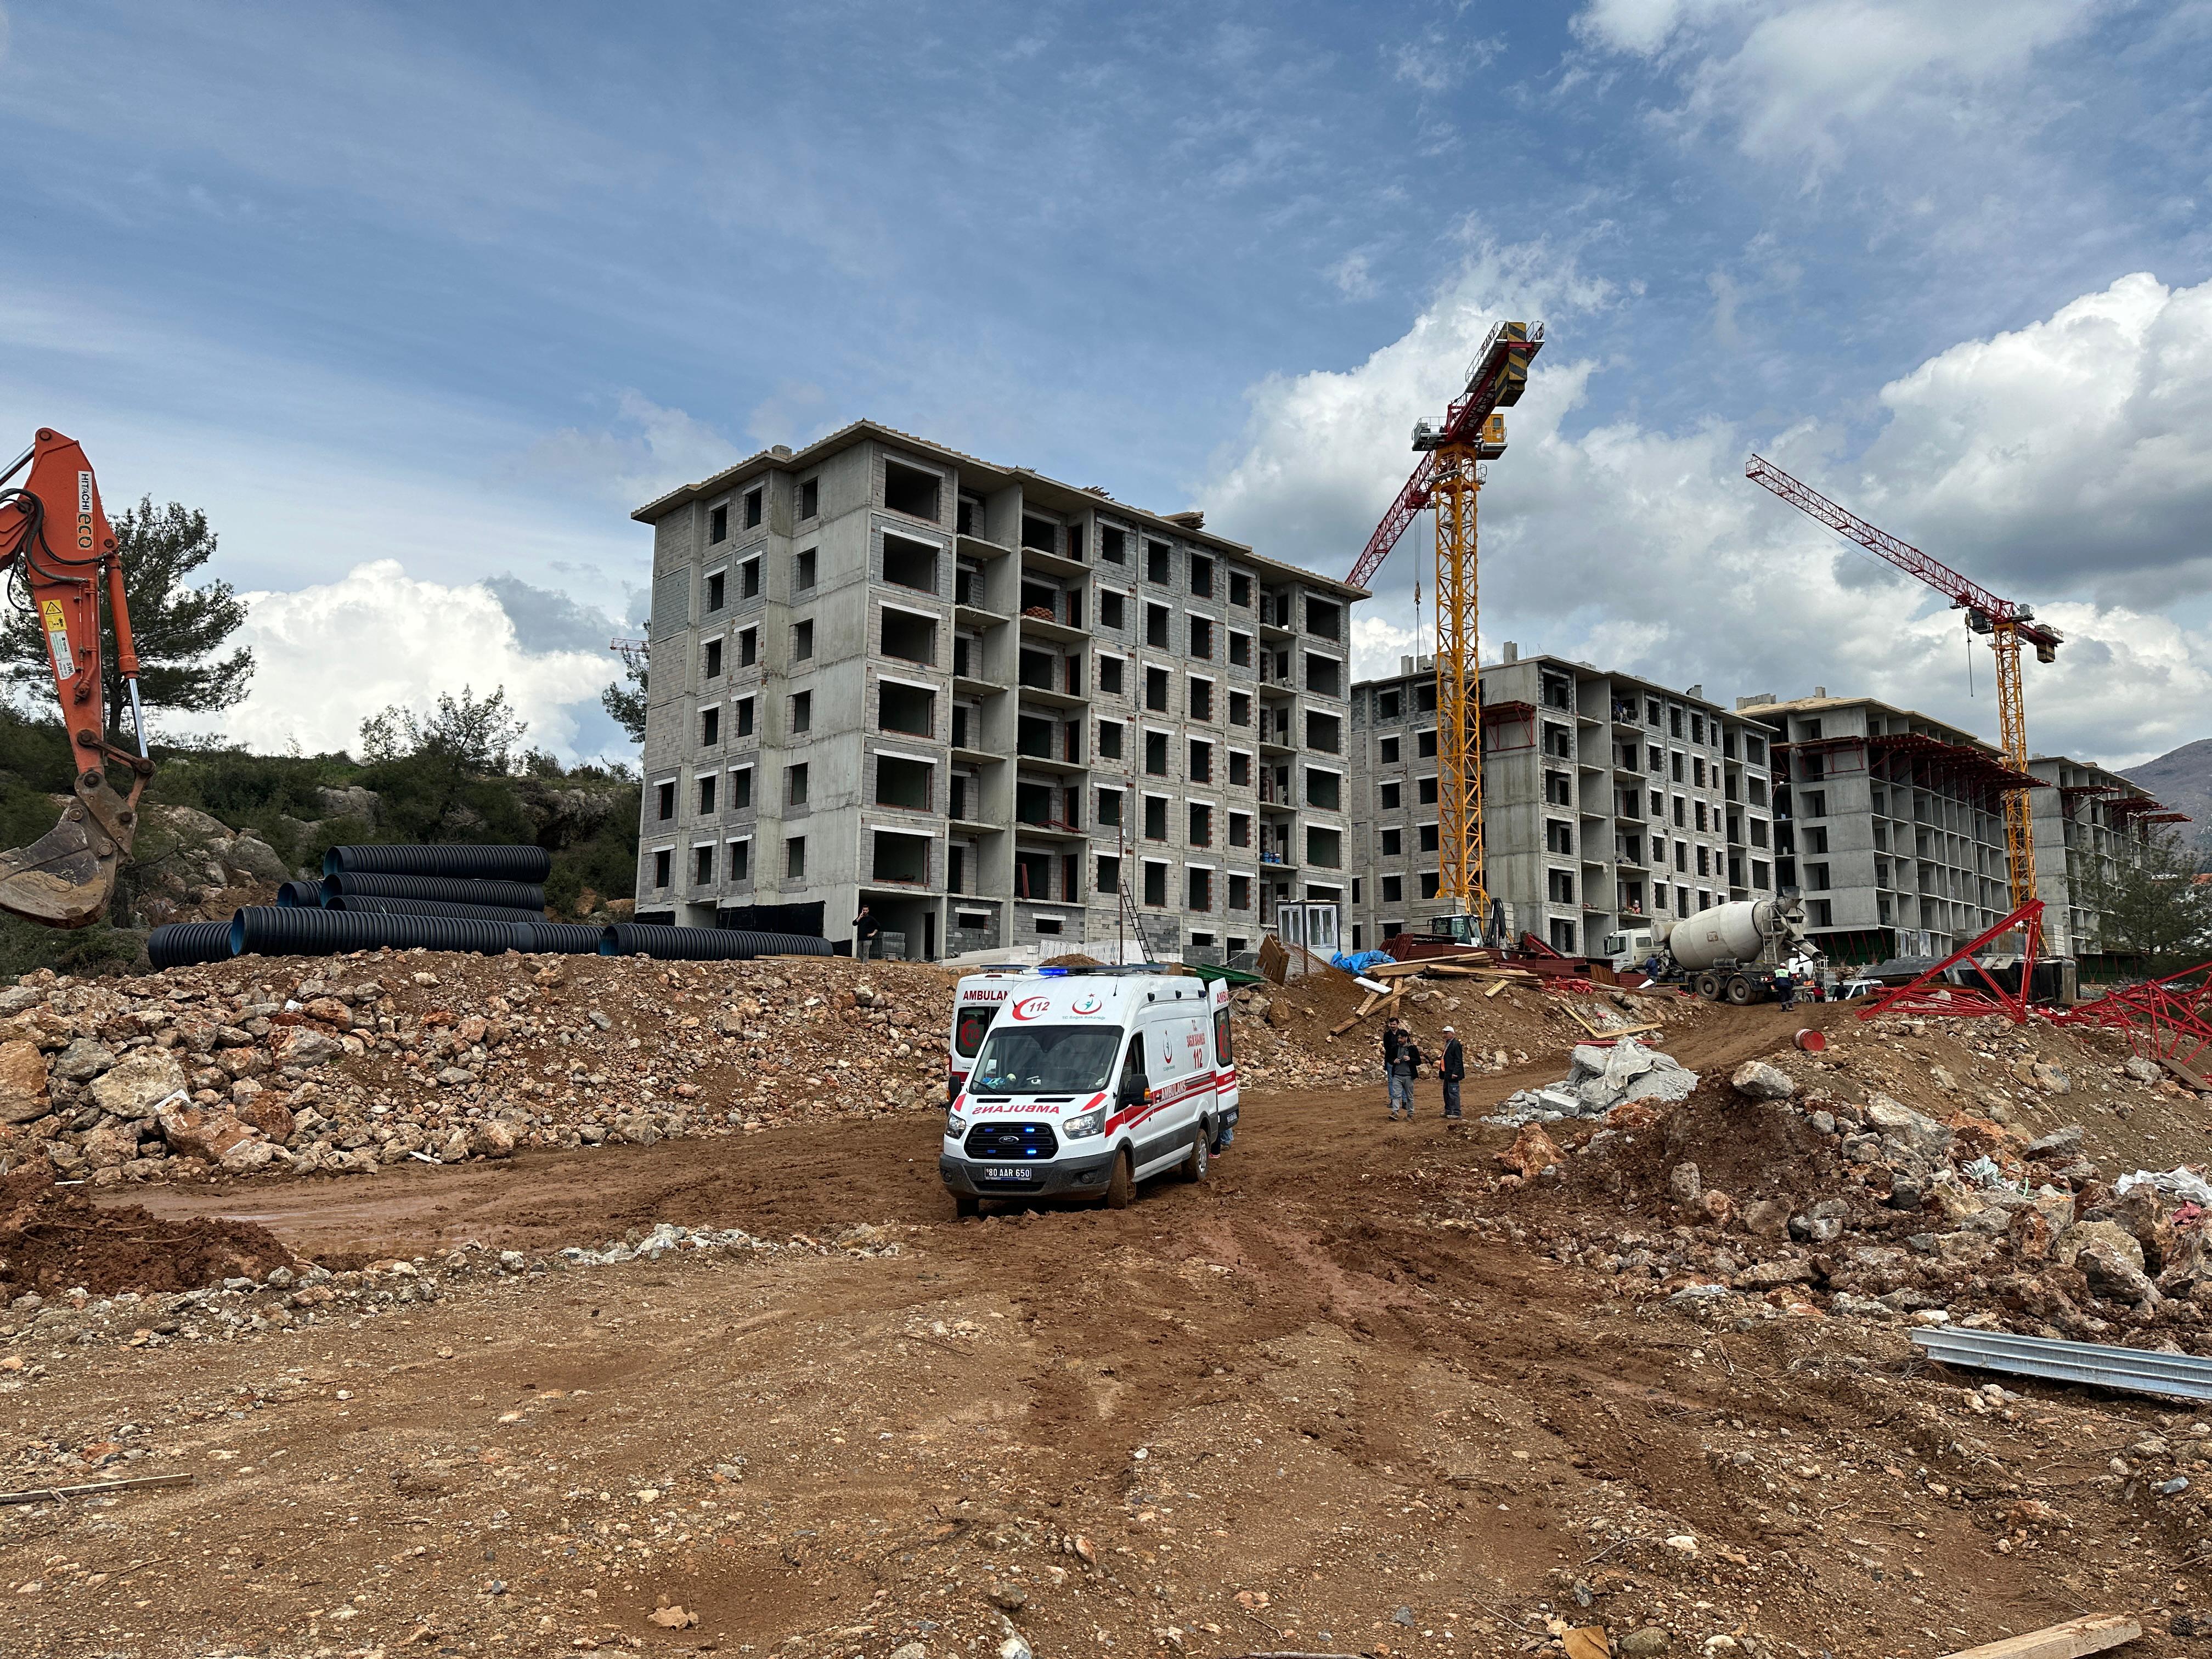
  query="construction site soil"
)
[{"x": 1391, "y": 1389}]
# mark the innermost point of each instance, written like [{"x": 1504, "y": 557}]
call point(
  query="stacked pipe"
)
[{"x": 489, "y": 900}]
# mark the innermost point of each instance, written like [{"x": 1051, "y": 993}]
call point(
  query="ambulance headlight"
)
[
  {"x": 955, "y": 1126},
  {"x": 1085, "y": 1126}
]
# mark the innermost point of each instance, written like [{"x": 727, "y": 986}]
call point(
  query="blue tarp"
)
[{"x": 1358, "y": 961}]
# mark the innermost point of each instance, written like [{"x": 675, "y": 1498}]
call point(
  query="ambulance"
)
[
  {"x": 976, "y": 1000},
  {"x": 1088, "y": 1080}
]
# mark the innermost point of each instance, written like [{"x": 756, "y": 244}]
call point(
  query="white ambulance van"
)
[
  {"x": 1088, "y": 1081},
  {"x": 976, "y": 1000}
]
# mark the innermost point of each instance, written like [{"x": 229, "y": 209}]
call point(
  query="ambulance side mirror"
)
[{"x": 1132, "y": 1093}]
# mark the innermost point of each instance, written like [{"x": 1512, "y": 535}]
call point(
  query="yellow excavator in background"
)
[{"x": 55, "y": 541}]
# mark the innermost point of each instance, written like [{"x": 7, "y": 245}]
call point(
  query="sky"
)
[{"x": 418, "y": 301}]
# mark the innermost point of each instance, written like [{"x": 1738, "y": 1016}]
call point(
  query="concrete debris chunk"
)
[
  {"x": 1756, "y": 1080},
  {"x": 1598, "y": 1079}
]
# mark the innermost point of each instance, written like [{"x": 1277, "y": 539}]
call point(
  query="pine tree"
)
[{"x": 177, "y": 630}]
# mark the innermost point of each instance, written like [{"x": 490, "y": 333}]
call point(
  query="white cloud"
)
[
  {"x": 650, "y": 452},
  {"x": 1795, "y": 78},
  {"x": 2071, "y": 455},
  {"x": 327, "y": 655},
  {"x": 1352, "y": 277},
  {"x": 1647, "y": 551}
]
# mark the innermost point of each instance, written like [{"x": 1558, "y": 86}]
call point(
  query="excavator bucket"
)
[{"x": 64, "y": 879}]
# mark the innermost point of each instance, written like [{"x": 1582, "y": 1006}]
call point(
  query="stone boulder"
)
[
  {"x": 1894, "y": 1120},
  {"x": 264, "y": 1111},
  {"x": 2108, "y": 1235},
  {"x": 491, "y": 1139},
  {"x": 1755, "y": 1080},
  {"x": 82, "y": 1060},
  {"x": 136, "y": 1086},
  {"x": 193, "y": 1131},
  {"x": 303, "y": 1045},
  {"x": 2058, "y": 1144},
  {"x": 23, "y": 1095},
  {"x": 112, "y": 1146}
]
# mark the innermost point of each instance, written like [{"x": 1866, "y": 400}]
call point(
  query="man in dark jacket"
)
[
  {"x": 1452, "y": 1071},
  {"x": 1396, "y": 1041},
  {"x": 865, "y": 929}
]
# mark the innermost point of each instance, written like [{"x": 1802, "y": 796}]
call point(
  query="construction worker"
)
[
  {"x": 1394, "y": 1039},
  {"x": 1452, "y": 1070},
  {"x": 1405, "y": 1066},
  {"x": 865, "y": 929}
]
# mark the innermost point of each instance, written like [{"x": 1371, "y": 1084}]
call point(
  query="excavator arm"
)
[{"x": 55, "y": 540}]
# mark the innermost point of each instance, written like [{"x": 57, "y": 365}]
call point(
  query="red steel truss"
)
[
  {"x": 1929, "y": 995},
  {"x": 2167, "y": 1019}
]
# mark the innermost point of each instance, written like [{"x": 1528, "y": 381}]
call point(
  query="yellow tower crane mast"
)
[{"x": 1448, "y": 478}]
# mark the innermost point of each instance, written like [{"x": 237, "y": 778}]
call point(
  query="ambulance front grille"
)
[{"x": 1011, "y": 1141}]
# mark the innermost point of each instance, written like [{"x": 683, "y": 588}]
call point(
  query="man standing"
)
[
  {"x": 1452, "y": 1071},
  {"x": 1394, "y": 1041},
  {"x": 865, "y": 929}
]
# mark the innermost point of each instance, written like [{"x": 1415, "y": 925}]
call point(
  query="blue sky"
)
[{"x": 415, "y": 297}]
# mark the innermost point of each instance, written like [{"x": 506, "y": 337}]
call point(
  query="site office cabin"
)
[{"x": 1082, "y": 1082}]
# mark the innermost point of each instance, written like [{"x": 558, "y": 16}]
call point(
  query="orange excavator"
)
[{"x": 55, "y": 541}]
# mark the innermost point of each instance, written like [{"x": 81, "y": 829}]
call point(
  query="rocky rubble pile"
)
[
  {"x": 1598, "y": 1079},
  {"x": 1872, "y": 1208},
  {"x": 343, "y": 1065}
]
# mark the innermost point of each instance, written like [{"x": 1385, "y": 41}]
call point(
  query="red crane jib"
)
[
  {"x": 1907, "y": 557},
  {"x": 1497, "y": 383}
]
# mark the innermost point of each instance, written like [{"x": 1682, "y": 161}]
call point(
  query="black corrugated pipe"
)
[
  {"x": 266, "y": 930},
  {"x": 631, "y": 939},
  {"x": 457, "y": 862},
  {"x": 300, "y": 896},
  {"x": 562, "y": 939},
  {"x": 180, "y": 943},
  {"x": 438, "y": 889},
  {"x": 353, "y": 904}
]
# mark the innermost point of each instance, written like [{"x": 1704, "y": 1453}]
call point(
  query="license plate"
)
[{"x": 1009, "y": 1172}]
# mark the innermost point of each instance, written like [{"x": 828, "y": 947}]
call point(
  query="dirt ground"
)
[{"x": 1292, "y": 1409}]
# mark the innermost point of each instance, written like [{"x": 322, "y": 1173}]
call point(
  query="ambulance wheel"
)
[
  {"x": 964, "y": 1205},
  {"x": 1741, "y": 991},
  {"x": 1201, "y": 1159},
  {"x": 1121, "y": 1185}
]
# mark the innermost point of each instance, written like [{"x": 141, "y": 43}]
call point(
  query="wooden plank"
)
[
  {"x": 1494, "y": 989},
  {"x": 2187, "y": 1073},
  {"x": 1366, "y": 1003},
  {"x": 1275, "y": 961},
  {"x": 55, "y": 1494},
  {"x": 2070, "y": 1640}
]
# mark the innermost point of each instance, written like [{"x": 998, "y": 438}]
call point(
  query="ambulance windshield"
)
[{"x": 1045, "y": 1060}]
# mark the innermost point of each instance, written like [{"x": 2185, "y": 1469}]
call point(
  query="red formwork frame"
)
[
  {"x": 2166, "y": 1019},
  {"x": 1928, "y": 995}
]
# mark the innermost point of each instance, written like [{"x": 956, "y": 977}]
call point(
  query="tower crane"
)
[
  {"x": 1448, "y": 478},
  {"x": 2008, "y": 627}
]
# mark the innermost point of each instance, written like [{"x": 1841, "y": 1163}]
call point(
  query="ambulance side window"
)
[
  {"x": 968, "y": 1028},
  {"x": 1132, "y": 1067},
  {"x": 1223, "y": 1055}
]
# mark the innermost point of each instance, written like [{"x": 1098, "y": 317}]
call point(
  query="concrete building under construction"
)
[
  {"x": 2090, "y": 826},
  {"x": 1891, "y": 822},
  {"x": 991, "y": 706},
  {"x": 1609, "y": 800}
]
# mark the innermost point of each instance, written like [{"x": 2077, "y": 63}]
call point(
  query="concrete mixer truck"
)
[{"x": 1731, "y": 952}]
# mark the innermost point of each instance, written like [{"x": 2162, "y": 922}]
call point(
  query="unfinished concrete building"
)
[
  {"x": 1608, "y": 802},
  {"x": 2090, "y": 825},
  {"x": 1891, "y": 822},
  {"x": 984, "y": 703}
]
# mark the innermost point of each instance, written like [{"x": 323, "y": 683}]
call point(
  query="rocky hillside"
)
[{"x": 2183, "y": 780}]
